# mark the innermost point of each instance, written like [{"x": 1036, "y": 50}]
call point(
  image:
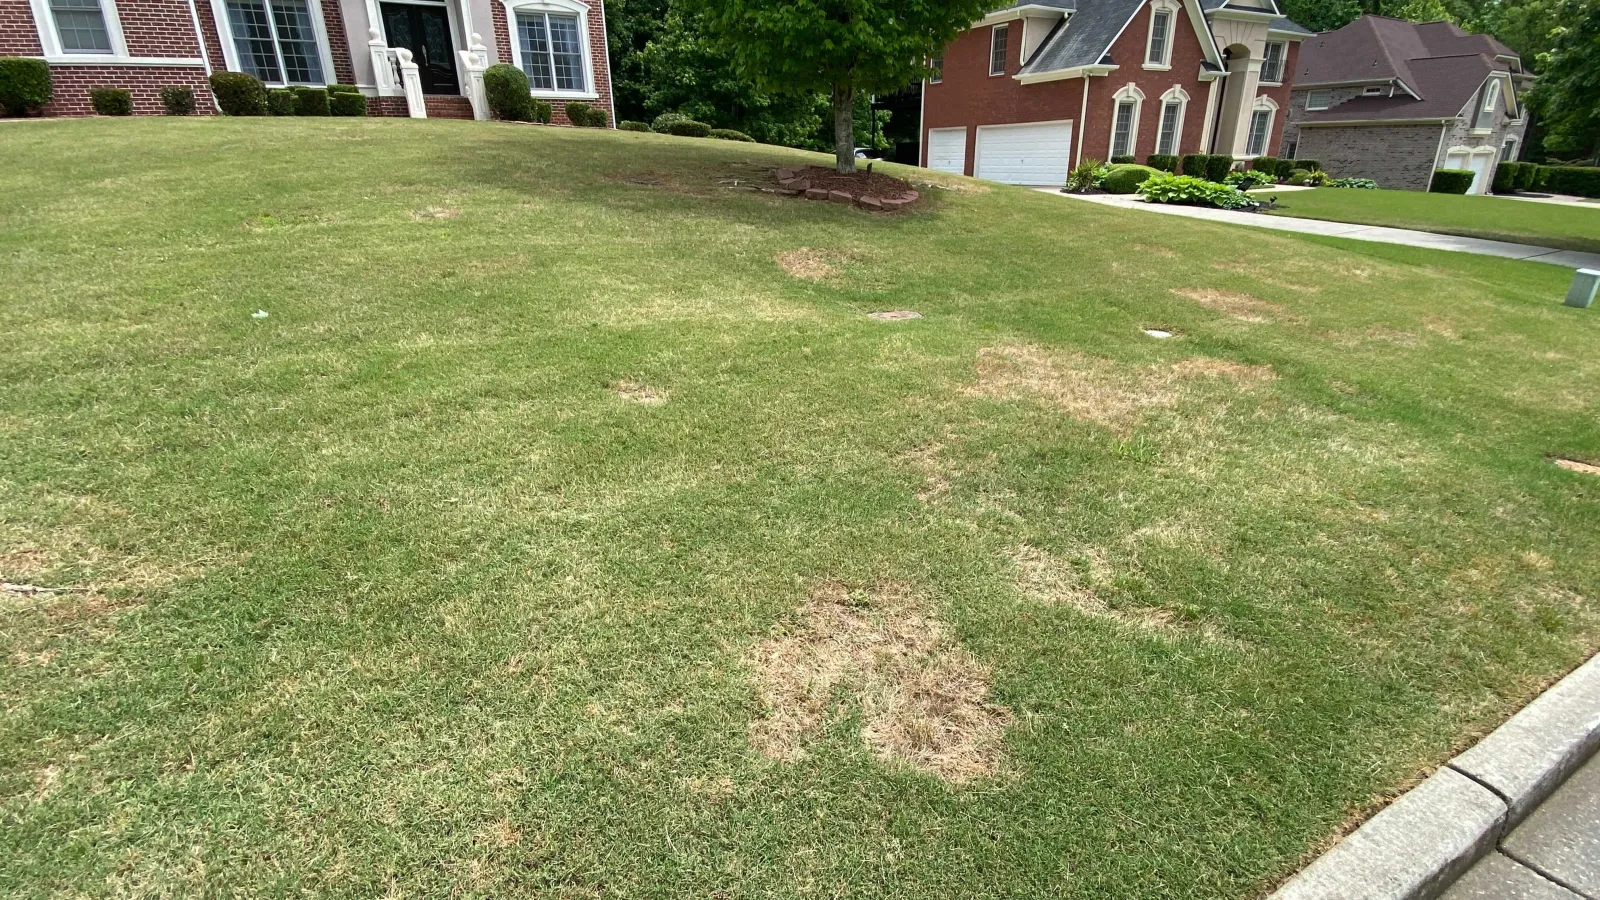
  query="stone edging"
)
[
  {"x": 795, "y": 185},
  {"x": 1418, "y": 845}
]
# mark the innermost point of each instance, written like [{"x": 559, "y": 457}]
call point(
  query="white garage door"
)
[
  {"x": 1040, "y": 153},
  {"x": 947, "y": 150}
]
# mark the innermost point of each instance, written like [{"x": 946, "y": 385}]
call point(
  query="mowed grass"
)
[
  {"x": 1493, "y": 218},
  {"x": 550, "y": 538}
]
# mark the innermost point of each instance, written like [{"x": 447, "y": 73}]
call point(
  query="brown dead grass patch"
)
[
  {"x": 431, "y": 213},
  {"x": 923, "y": 700},
  {"x": 810, "y": 265},
  {"x": 1573, "y": 465},
  {"x": 1243, "y": 307},
  {"x": 1210, "y": 367},
  {"x": 1053, "y": 580},
  {"x": 639, "y": 392},
  {"x": 1152, "y": 250},
  {"x": 1287, "y": 275},
  {"x": 928, "y": 460}
]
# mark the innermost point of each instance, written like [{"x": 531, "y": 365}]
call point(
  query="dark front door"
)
[{"x": 425, "y": 31}]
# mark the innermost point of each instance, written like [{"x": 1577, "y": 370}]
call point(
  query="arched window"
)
[
  {"x": 1125, "y": 120},
  {"x": 1261, "y": 116},
  {"x": 1163, "y": 26},
  {"x": 1169, "y": 128}
]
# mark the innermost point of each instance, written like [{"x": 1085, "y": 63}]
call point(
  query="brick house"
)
[
  {"x": 1391, "y": 100},
  {"x": 411, "y": 57},
  {"x": 1037, "y": 86}
]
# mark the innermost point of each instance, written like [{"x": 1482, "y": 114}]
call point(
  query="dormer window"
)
[
  {"x": 1158, "y": 50},
  {"x": 1491, "y": 96}
]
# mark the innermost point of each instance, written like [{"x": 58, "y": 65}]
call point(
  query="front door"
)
[{"x": 424, "y": 29}]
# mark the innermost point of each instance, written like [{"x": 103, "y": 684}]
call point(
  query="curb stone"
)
[{"x": 1418, "y": 845}]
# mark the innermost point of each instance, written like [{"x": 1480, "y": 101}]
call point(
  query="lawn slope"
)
[
  {"x": 566, "y": 528},
  {"x": 1492, "y": 218}
]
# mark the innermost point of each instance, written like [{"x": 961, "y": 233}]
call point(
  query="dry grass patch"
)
[
  {"x": 1243, "y": 307},
  {"x": 1573, "y": 465},
  {"x": 1049, "y": 579},
  {"x": 810, "y": 265},
  {"x": 927, "y": 459},
  {"x": 1210, "y": 367},
  {"x": 639, "y": 392},
  {"x": 431, "y": 213},
  {"x": 923, "y": 700}
]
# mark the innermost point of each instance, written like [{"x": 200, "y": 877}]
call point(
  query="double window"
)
[
  {"x": 276, "y": 41},
  {"x": 81, "y": 26},
  {"x": 997, "y": 49},
  {"x": 552, "y": 51},
  {"x": 1272, "y": 63},
  {"x": 1160, "y": 36}
]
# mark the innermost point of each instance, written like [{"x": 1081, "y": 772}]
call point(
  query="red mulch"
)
[{"x": 857, "y": 184}]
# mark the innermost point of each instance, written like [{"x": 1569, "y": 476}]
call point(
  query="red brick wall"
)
[
  {"x": 970, "y": 96},
  {"x": 599, "y": 56},
  {"x": 72, "y": 84},
  {"x": 158, "y": 28},
  {"x": 344, "y": 70},
  {"x": 212, "y": 35},
  {"x": 18, "y": 37}
]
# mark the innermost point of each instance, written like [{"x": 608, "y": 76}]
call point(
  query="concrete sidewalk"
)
[
  {"x": 1554, "y": 855},
  {"x": 1572, "y": 259}
]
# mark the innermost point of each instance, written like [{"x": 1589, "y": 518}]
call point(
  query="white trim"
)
[
  {"x": 1328, "y": 105},
  {"x": 1212, "y": 92},
  {"x": 1083, "y": 122},
  {"x": 1342, "y": 122},
  {"x": 230, "y": 51},
  {"x": 994, "y": 36},
  {"x": 1170, "y": 7},
  {"x": 100, "y": 59},
  {"x": 44, "y": 23},
  {"x": 1129, "y": 91},
  {"x": 1064, "y": 74},
  {"x": 1011, "y": 14},
  {"x": 1240, "y": 15},
  {"x": 566, "y": 7},
  {"x": 1181, "y": 97}
]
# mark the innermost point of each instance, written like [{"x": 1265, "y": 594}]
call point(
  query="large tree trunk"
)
[{"x": 844, "y": 129}]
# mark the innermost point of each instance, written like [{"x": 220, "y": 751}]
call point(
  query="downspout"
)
[
  {"x": 205, "y": 57},
  {"x": 1083, "y": 120}
]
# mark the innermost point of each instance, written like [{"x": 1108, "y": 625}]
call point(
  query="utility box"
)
[{"x": 1584, "y": 284}]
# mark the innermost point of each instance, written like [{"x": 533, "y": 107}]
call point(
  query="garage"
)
[
  {"x": 1036, "y": 153},
  {"x": 947, "y": 150}
]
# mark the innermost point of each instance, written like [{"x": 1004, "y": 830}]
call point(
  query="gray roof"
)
[
  {"x": 1057, "y": 4},
  {"x": 1086, "y": 38},
  {"x": 1283, "y": 23}
]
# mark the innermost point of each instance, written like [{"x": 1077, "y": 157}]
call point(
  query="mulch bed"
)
[{"x": 868, "y": 190}]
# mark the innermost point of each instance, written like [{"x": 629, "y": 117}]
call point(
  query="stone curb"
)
[{"x": 1418, "y": 845}]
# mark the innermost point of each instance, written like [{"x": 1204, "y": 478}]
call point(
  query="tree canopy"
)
[{"x": 1567, "y": 94}]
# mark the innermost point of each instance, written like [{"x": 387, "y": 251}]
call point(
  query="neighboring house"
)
[
  {"x": 1392, "y": 101},
  {"x": 1038, "y": 86},
  {"x": 145, "y": 45}
]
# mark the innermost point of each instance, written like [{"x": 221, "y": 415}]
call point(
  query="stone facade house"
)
[
  {"x": 1039, "y": 85},
  {"x": 1391, "y": 100},
  {"x": 411, "y": 57}
]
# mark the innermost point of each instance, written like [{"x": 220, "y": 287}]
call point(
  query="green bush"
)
[
  {"x": 310, "y": 101},
  {"x": 1166, "y": 162},
  {"x": 1283, "y": 167},
  {"x": 506, "y": 88},
  {"x": 280, "y": 102},
  {"x": 1125, "y": 178},
  {"x": 1450, "y": 181},
  {"x": 1193, "y": 191},
  {"x": 1123, "y": 160},
  {"x": 1267, "y": 164},
  {"x": 178, "y": 100},
  {"x": 1296, "y": 177},
  {"x": 1192, "y": 164},
  {"x": 688, "y": 128},
  {"x": 1366, "y": 184},
  {"x": 1310, "y": 165},
  {"x": 1249, "y": 180},
  {"x": 347, "y": 103},
  {"x": 1505, "y": 178},
  {"x": 239, "y": 94},
  {"x": 543, "y": 111},
  {"x": 1541, "y": 177},
  {"x": 24, "y": 85},
  {"x": 586, "y": 115},
  {"x": 1526, "y": 174},
  {"x": 1217, "y": 166},
  {"x": 111, "y": 101},
  {"x": 630, "y": 125},
  {"x": 661, "y": 122},
  {"x": 728, "y": 134},
  {"x": 1580, "y": 181},
  {"x": 343, "y": 89},
  {"x": 1083, "y": 176},
  {"x": 1316, "y": 178}
]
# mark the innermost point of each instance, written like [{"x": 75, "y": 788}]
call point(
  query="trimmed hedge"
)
[
  {"x": 310, "y": 101},
  {"x": 343, "y": 89},
  {"x": 1125, "y": 178},
  {"x": 660, "y": 123},
  {"x": 1192, "y": 164},
  {"x": 688, "y": 128},
  {"x": 24, "y": 85},
  {"x": 1166, "y": 162},
  {"x": 506, "y": 88},
  {"x": 1505, "y": 178},
  {"x": 239, "y": 94},
  {"x": 1527, "y": 174},
  {"x": 1580, "y": 181},
  {"x": 111, "y": 101},
  {"x": 178, "y": 100},
  {"x": 1450, "y": 181},
  {"x": 347, "y": 103},
  {"x": 1267, "y": 164},
  {"x": 586, "y": 115},
  {"x": 1310, "y": 165},
  {"x": 543, "y": 111},
  {"x": 728, "y": 134},
  {"x": 630, "y": 125},
  {"x": 1217, "y": 166},
  {"x": 280, "y": 102},
  {"x": 1123, "y": 160}
]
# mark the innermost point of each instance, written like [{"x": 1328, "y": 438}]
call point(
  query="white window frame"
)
[
  {"x": 1171, "y": 9},
  {"x": 937, "y": 65},
  {"x": 1263, "y": 104},
  {"x": 44, "y": 23},
  {"x": 1311, "y": 100},
  {"x": 1484, "y": 113},
  {"x": 1178, "y": 96},
  {"x": 1128, "y": 92},
  {"x": 230, "y": 52},
  {"x": 995, "y": 33},
  {"x": 1283, "y": 56},
  {"x": 557, "y": 7}
]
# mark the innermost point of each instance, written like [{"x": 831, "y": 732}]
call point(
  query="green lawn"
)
[
  {"x": 1495, "y": 218},
  {"x": 549, "y": 538}
]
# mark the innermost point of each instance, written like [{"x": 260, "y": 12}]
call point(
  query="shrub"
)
[
  {"x": 543, "y": 111},
  {"x": 1083, "y": 176},
  {"x": 1316, "y": 178},
  {"x": 630, "y": 125},
  {"x": 1296, "y": 177},
  {"x": 728, "y": 134},
  {"x": 1581, "y": 181},
  {"x": 688, "y": 128},
  {"x": 1267, "y": 164},
  {"x": 506, "y": 88},
  {"x": 585, "y": 115},
  {"x": 239, "y": 94},
  {"x": 347, "y": 103},
  {"x": 1217, "y": 166},
  {"x": 310, "y": 101},
  {"x": 1366, "y": 184},
  {"x": 178, "y": 100},
  {"x": 1505, "y": 178},
  {"x": 111, "y": 101},
  {"x": 1193, "y": 164},
  {"x": 1249, "y": 180},
  {"x": 1286, "y": 166},
  {"x": 1166, "y": 162},
  {"x": 664, "y": 120},
  {"x": 1193, "y": 191},
  {"x": 1310, "y": 165},
  {"x": 1541, "y": 177},
  {"x": 343, "y": 89},
  {"x": 1450, "y": 181},
  {"x": 1526, "y": 174},
  {"x": 280, "y": 102},
  {"x": 1123, "y": 160},
  {"x": 1125, "y": 178},
  {"x": 24, "y": 85}
]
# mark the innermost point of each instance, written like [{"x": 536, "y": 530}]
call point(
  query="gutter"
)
[
  {"x": 1433, "y": 120},
  {"x": 1064, "y": 74}
]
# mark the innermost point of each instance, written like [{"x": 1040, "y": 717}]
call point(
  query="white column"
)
[
  {"x": 474, "y": 61},
  {"x": 411, "y": 80}
]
